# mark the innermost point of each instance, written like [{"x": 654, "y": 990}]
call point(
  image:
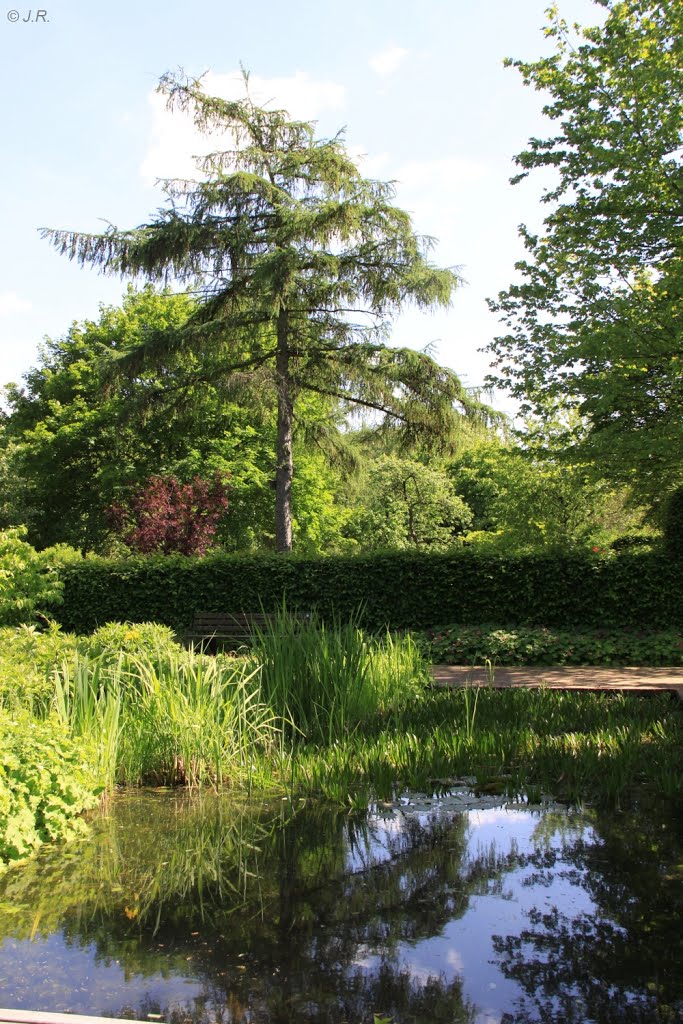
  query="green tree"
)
[
  {"x": 299, "y": 263},
  {"x": 596, "y": 317},
  {"x": 523, "y": 500},
  {"x": 71, "y": 448},
  {"x": 404, "y": 504}
]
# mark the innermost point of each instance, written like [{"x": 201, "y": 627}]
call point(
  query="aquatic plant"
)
[
  {"x": 187, "y": 719},
  {"x": 325, "y": 679}
]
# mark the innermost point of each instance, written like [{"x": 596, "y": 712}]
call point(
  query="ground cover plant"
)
[
  {"x": 540, "y": 645},
  {"x": 46, "y": 781}
]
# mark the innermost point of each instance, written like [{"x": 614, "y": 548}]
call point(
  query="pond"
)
[{"x": 456, "y": 909}]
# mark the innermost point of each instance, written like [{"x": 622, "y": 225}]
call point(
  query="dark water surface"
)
[{"x": 432, "y": 911}]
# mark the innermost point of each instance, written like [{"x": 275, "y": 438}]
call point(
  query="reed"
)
[
  {"x": 89, "y": 702},
  {"x": 326, "y": 679},
  {"x": 324, "y": 709},
  {"x": 184, "y": 719}
]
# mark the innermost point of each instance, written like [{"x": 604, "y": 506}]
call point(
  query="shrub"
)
[
  {"x": 169, "y": 516},
  {"x": 400, "y": 590},
  {"x": 28, "y": 579},
  {"x": 673, "y": 525},
  {"x": 473, "y": 645},
  {"x": 46, "y": 782},
  {"x": 28, "y": 658},
  {"x": 131, "y": 640}
]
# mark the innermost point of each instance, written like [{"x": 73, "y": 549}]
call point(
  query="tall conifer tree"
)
[{"x": 300, "y": 262}]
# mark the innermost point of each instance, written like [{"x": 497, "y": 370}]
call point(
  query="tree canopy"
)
[
  {"x": 596, "y": 317},
  {"x": 298, "y": 263},
  {"x": 71, "y": 448}
]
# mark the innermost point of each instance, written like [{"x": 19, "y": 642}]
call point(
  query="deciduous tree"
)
[
  {"x": 596, "y": 317},
  {"x": 167, "y": 516}
]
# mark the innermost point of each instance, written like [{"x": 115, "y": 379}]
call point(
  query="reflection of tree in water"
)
[
  {"x": 387, "y": 991},
  {"x": 621, "y": 964},
  {"x": 283, "y": 913}
]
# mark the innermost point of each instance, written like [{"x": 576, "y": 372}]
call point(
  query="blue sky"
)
[{"x": 420, "y": 87}]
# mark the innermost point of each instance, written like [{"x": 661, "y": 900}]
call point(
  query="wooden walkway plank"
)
[
  {"x": 563, "y": 677},
  {"x": 44, "y": 1017}
]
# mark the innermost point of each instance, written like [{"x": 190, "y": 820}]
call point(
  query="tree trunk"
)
[{"x": 285, "y": 461}]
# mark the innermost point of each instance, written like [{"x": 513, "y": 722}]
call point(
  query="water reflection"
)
[{"x": 266, "y": 912}]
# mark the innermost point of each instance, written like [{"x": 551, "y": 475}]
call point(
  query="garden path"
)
[{"x": 563, "y": 677}]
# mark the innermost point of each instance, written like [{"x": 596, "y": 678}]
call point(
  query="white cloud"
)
[
  {"x": 10, "y": 302},
  {"x": 454, "y": 960},
  {"x": 175, "y": 140},
  {"x": 447, "y": 171},
  {"x": 374, "y": 166},
  {"x": 387, "y": 61}
]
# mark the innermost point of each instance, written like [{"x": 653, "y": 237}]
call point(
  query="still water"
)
[{"x": 453, "y": 909}]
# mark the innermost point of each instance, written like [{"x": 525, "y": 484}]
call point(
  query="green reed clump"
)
[
  {"x": 186, "y": 719},
  {"x": 324, "y": 679},
  {"x": 576, "y": 745}
]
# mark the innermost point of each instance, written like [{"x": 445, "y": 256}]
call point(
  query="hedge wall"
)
[{"x": 398, "y": 589}]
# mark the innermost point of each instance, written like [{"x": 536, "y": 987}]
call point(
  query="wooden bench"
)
[{"x": 214, "y": 631}]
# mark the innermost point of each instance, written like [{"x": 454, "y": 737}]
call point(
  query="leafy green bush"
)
[
  {"x": 46, "y": 782},
  {"x": 28, "y": 658},
  {"x": 129, "y": 640},
  {"x": 673, "y": 525},
  {"x": 470, "y": 645},
  {"x": 29, "y": 582}
]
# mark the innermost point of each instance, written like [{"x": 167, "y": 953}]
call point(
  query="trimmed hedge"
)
[{"x": 400, "y": 590}]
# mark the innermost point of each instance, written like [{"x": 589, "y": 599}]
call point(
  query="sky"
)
[{"x": 419, "y": 88}]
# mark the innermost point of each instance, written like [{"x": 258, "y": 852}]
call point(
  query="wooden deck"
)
[
  {"x": 40, "y": 1017},
  {"x": 565, "y": 677}
]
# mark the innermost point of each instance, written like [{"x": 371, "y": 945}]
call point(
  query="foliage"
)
[
  {"x": 539, "y": 645},
  {"x": 28, "y": 658},
  {"x": 528, "y": 500},
  {"x": 673, "y": 524},
  {"x": 574, "y": 745},
  {"x": 168, "y": 516},
  {"x": 29, "y": 583},
  {"x": 596, "y": 317},
  {"x": 77, "y": 442},
  {"x": 326, "y": 680},
  {"x": 407, "y": 505},
  {"x": 301, "y": 261},
  {"x": 398, "y": 589},
  {"x": 73, "y": 447},
  {"x": 185, "y": 718},
  {"x": 46, "y": 782},
  {"x": 129, "y": 640}
]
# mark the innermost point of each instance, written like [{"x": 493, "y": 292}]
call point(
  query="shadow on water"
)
[{"x": 213, "y": 909}]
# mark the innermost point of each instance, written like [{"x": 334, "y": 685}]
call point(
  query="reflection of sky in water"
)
[
  {"x": 489, "y": 889},
  {"x": 40, "y": 975},
  {"x": 464, "y": 947}
]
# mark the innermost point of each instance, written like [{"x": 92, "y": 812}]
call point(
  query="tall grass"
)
[
  {"x": 579, "y": 746},
  {"x": 326, "y": 679},
  {"x": 325, "y": 709},
  {"x": 184, "y": 719},
  {"x": 91, "y": 710}
]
